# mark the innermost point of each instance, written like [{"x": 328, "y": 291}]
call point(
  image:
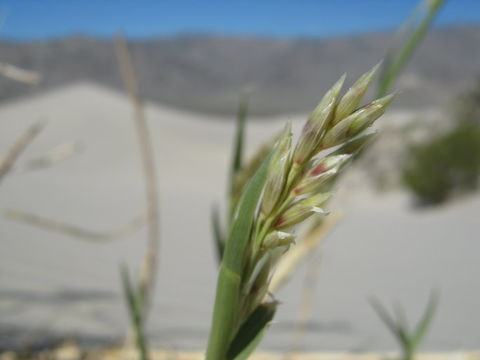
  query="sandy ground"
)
[
  {"x": 69, "y": 351},
  {"x": 51, "y": 284}
]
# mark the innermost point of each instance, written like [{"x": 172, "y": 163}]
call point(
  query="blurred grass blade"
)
[
  {"x": 408, "y": 340},
  {"x": 237, "y": 160},
  {"x": 18, "y": 74},
  {"x": 397, "y": 331},
  {"x": 426, "y": 320},
  {"x": 251, "y": 332},
  {"x": 218, "y": 233},
  {"x": 18, "y": 147},
  {"x": 74, "y": 231},
  {"x": 134, "y": 305},
  {"x": 401, "y": 319},
  {"x": 407, "y": 40},
  {"x": 229, "y": 278},
  {"x": 150, "y": 263},
  {"x": 53, "y": 156}
]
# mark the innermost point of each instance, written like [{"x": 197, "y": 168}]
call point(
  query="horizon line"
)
[{"x": 246, "y": 35}]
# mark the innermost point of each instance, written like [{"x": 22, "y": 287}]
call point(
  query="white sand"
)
[{"x": 380, "y": 248}]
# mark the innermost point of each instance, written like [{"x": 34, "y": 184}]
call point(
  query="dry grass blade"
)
[
  {"x": 75, "y": 231},
  {"x": 150, "y": 265},
  {"x": 18, "y": 147},
  {"x": 57, "y": 154},
  {"x": 18, "y": 74}
]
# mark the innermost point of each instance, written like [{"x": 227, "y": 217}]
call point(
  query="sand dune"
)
[{"x": 59, "y": 284}]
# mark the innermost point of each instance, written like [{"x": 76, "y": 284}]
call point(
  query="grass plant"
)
[
  {"x": 291, "y": 184},
  {"x": 408, "y": 339},
  {"x": 447, "y": 164}
]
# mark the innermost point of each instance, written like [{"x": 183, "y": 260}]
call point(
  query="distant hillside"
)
[{"x": 206, "y": 73}]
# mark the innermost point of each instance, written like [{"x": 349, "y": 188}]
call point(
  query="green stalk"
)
[
  {"x": 225, "y": 314},
  {"x": 134, "y": 302}
]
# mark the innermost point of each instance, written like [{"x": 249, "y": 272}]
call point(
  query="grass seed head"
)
[
  {"x": 319, "y": 172},
  {"x": 317, "y": 122},
  {"x": 352, "y": 125},
  {"x": 278, "y": 238},
  {"x": 302, "y": 210},
  {"x": 354, "y": 95},
  {"x": 278, "y": 170},
  {"x": 311, "y": 184}
]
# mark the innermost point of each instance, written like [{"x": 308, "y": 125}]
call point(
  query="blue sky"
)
[{"x": 38, "y": 19}]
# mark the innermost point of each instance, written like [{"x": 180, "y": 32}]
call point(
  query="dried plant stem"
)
[
  {"x": 53, "y": 156},
  {"x": 18, "y": 74},
  {"x": 147, "y": 280},
  {"x": 75, "y": 231},
  {"x": 18, "y": 147}
]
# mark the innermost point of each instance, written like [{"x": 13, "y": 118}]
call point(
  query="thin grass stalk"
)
[
  {"x": 55, "y": 155},
  {"x": 74, "y": 231},
  {"x": 150, "y": 266},
  {"x": 18, "y": 147},
  {"x": 408, "y": 39},
  {"x": 239, "y": 141},
  {"x": 134, "y": 302}
]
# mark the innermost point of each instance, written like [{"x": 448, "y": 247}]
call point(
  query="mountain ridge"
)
[{"x": 206, "y": 72}]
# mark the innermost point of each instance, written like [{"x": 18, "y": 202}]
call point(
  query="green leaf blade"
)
[
  {"x": 408, "y": 39},
  {"x": 251, "y": 332},
  {"x": 229, "y": 280},
  {"x": 135, "y": 310},
  {"x": 426, "y": 320},
  {"x": 218, "y": 233}
]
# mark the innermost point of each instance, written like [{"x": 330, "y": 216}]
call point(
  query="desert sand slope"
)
[{"x": 59, "y": 285}]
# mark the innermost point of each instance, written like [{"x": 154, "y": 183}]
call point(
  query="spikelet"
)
[{"x": 300, "y": 181}]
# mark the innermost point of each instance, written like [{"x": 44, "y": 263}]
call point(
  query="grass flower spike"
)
[
  {"x": 317, "y": 122},
  {"x": 356, "y": 122},
  {"x": 354, "y": 95},
  {"x": 278, "y": 170},
  {"x": 292, "y": 184}
]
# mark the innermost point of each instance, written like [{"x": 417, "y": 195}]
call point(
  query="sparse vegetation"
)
[
  {"x": 408, "y": 339},
  {"x": 448, "y": 164}
]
